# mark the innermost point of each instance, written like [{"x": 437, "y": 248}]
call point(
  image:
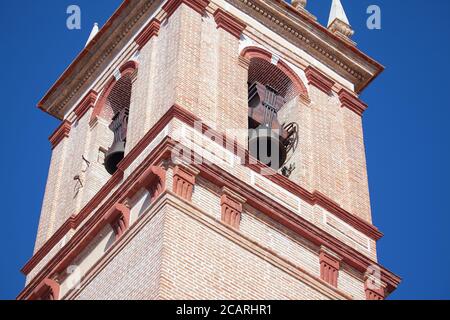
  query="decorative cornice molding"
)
[
  {"x": 199, "y": 215},
  {"x": 229, "y": 23},
  {"x": 113, "y": 193},
  {"x": 172, "y": 5},
  {"x": 313, "y": 198},
  {"x": 60, "y": 134},
  {"x": 296, "y": 26},
  {"x": 76, "y": 75},
  {"x": 150, "y": 31},
  {"x": 319, "y": 80},
  {"x": 351, "y": 102},
  {"x": 278, "y": 15},
  {"x": 294, "y": 222},
  {"x": 87, "y": 103},
  {"x": 188, "y": 118}
]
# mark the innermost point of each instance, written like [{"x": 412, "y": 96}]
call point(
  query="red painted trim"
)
[
  {"x": 150, "y": 31},
  {"x": 372, "y": 293},
  {"x": 48, "y": 290},
  {"x": 87, "y": 103},
  {"x": 315, "y": 198},
  {"x": 60, "y": 134},
  {"x": 153, "y": 176},
  {"x": 354, "y": 49},
  {"x": 127, "y": 68},
  {"x": 229, "y": 23},
  {"x": 220, "y": 178},
  {"x": 232, "y": 207},
  {"x": 73, "y": 222},
  {"x": 183, "y": 181},
  {"x": 329, "y": 268},
  {"x": 103, "y": 32},
  {"x": 105, "y": 214},
  {"x": 198, "y": 5},
  {"x": 319, "y": 80},
  {"x": 294, "y": 222},
  {"x": 255, "y": 52},
  {"x": 119, "y": 219},
  {"x": 351, "y": 102},
  {"x": 177, "y": 112},
  {"x": 97, "y": 221}
]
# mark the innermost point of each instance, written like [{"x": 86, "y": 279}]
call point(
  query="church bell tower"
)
[{"x": 210, "y": 149}]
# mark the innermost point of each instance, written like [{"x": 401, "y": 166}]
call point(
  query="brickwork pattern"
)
[{"x": 194, "y": 64}]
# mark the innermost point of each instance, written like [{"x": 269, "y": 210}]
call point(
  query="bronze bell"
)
[
  {"x": 116, "y": 153},
  {"x": 266, "y": 137},
  {"x": 265, "y": 145}
]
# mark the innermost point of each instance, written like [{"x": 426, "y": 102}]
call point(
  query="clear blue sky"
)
[{"x": 406, "y": 129}]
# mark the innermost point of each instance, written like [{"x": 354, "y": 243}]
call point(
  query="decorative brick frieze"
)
[
  {"x": 60, "y": 134},
  {"x": 184, "y": 178},
  {"x": 150, "y": 31},
  {"x": 119, "y": 219},
  {"x": 330, "y": 264},
  {"x": 319, "y": 80},
  {"x": 229, "y": 23},
  {"x": 198, "y": 5},
  {"x": 232, "y": 205},
  {"x": 47, "y": 290},
  {"x": 351, "y": 102},
  {"x": 86, "y": 104}
]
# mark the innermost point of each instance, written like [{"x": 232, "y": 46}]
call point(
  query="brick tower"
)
[{"x": 210, "y": 149}]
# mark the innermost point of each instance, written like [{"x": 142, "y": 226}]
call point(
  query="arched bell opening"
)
[
  {"x": 116, "y": 109},
  {"x": 270, "y": 90}
]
